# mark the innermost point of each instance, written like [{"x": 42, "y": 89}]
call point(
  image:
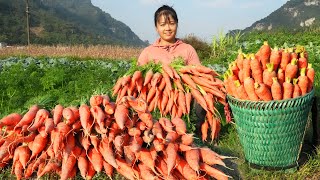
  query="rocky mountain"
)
[
  {"x": 62, "y": 22},
  {"x": 293, "y": 15}
]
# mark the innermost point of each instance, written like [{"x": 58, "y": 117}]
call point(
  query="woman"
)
[{"x": 167, "y": 46}]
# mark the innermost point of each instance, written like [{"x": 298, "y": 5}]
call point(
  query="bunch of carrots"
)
[
  {"x": 103, "y": 136},
  {"x": 270, "y": 74},
  {"x": 171, "y": 88}
]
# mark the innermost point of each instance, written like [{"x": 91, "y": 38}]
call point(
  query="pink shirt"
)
[{"x": 165, "y": 54}]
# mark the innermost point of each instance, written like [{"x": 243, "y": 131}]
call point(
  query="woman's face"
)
[{"x": 167, "y": 29}]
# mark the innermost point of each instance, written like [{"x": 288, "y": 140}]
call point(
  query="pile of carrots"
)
[
  {"x": 102, "y": 137},
  {"x": 171, "y": 88},
  {"x": 270, "y": 74}
]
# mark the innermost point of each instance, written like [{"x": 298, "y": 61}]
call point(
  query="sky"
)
[{"x": 202, "y": 18}]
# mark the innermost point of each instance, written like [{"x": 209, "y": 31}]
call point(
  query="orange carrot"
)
[
  {"x": 166, "y": 124},
  {"x": 310, "y": 75},
  {"x": 187, "y": 139},
  {"x": 84, "y": 113},
  {"x": 239, "y": 59},
  {"x": 256, "y": 69},
  {"x": 296, "y": 88},
  {"x": 213, "y": 172},
  {"x": 241, "y": 91},
  {"x": 303, "y": 81},
  {"x": 38, "y": 145},
  {"x": 276, "y": 89},
  {"x": 96, "y": 159},
  {"x": 204, "y": 130},
  {"x": 121, "y": 115},
  {"x": 125, "y": 169},
  {"x": 275, "y": 58},
  {"x": 180, "y": 125},
  {"x": 148, "y": 77},
  {"x": 246, "y": 67},
  {"x": 189, "y": 81},
  {"x": 291, "y": 69},
  {"x": 264, "y": 55},
  {"x": 156, "y": 78},
  {"x": 49, "y": 167},
  {"x": 268, "y": 74},
  {"x": 28, "y": 117},
  {"x": 285, "y": 59},
  {"x": 146, "y": 117},
  {"x": 108, "y": 153},
  {"x": 96, "y": 100},
  {"x": 263, "y": 92},
  {"x": 171, "y": 153},
  {"x": 199, "y": 98},
  {"x": 108, "y": 169},
  {"x": 248, "y": 85},
  {"x": 287, "y": 89},
  {"x": 281, "y": 76},
  {"x": 302, "y": 61},
  {"x": 185, "y": 170},
  {"x": 193, "y": 159},
  {"x": 91, "y": 172},
  {"x": 10, "y": 120}
]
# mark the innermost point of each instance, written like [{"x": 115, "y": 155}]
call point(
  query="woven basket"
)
[{"x": 271, "y": 133}]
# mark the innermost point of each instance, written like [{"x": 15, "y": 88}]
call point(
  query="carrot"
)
[
  {"x": 28, "y": 117},
  {"x": 162, "y": 85},
  {"x": 234, "y": 68},
  {"x": 67, "y": 166},
  {"x": 263, "y": 92},
  {"x": 163, "y": 103},
  {"x": 148, "y": 77},
  {"x": 151, "y": 94},
  {"x": 242, "y": 94},
  {"x": 189, "y": 81},
  {"x": 193, "y": 159},
  {"x": 96, "y": 100},
  {"x": 185, "y": 170},
  {"x": 239, "y": 60},
  {"x": 287, "y": 88},
  {"x": 49, "y": 167},
  {"x": 18, "y": 170},
  {"x": 157, "y": 130},
  {"x": 268, "y": 74},
  {"x": 108, "y": 169},
  {"x": 156, "y": 78},
  {"x": 91, "y": 172},
  {"x": 180, "y": 125},
  {"x": 281, "y": 76},
  {"x": 41, "y": 116},
  {"x": 230, "y": 81},
  {"x": 145, "y": 157},
  {"x": 145, "y": 172},
  {"x": 204, "y": 130},
  {"x": 171, "y": 137},
  {"x": 49, "y": 125},
  {"x": 166, "y": 124},
  {"x": 248, "y": 85},
  {"x": 265, "y": 52},
  {"x": 107, "y": 153},
  {"x": 303, "y": 81},
  {"x": 121, "y": 115},
  {"x": 275, "y": 58},
  {"x": 171, "y": 154},
  {"x": 296, "y": 88},
  {"x": 256, "y": 68},
  {"x": 310, "y": 75},
  {"x": 276, "y": 89},
  {"x": 125, "y": 170},
  {"x": 210, "y": 157},
  {"x": 177, "y": 82},
  {"x": 246, "y": 67},
  {"x": 291, "y": 69},
  {"x": 285, "y": 59},
  {"x": 302, "y": 61},
  {"x": 96, "y": 159},
  {"x": 84, "y": 113},
  {"x": 147, "y": 137},
  {"x": 129, "y": 155},
  {"x": 199, "y": 98},
  {"x": 10, "y": 120},
  {"x": 38, "y": 145},
  {"x": 146, "y": 117},
  {"x": 213, "y": 172},
  {"x": 188, "y": 97}
]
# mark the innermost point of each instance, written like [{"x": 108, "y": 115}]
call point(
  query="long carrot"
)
[
  {"x": 296, "y": 88},
  {"x": 241, "y": 91},
  {"x": 275, "y": 58},
  {"x": 10, "y": 120},
  {"x": 310, "y": 75},
  {"x": 256, "y": 69},
  {"x": 199, "y": 98},
  {"x": 171, "y": 153},
  {"x": 303, "y": 81},
  {"x": 276, "y": 89},
  {"x": 268, "y": 74},
  {"x": 28, "y": 117},
  {"x": 285, "y": 59},
  {"x": 246, "y": 67},
  {"x": 263, "y": 92},
  {"x": 264, "y": 54},
  {"x": 249, "y": 88},
  {"x": 287, "y": 89}
]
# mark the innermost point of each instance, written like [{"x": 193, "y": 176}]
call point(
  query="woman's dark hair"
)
[{"x": 165, "y": 11}]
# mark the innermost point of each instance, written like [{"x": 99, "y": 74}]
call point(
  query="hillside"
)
[
  {"x": 293, "y": 15},
  {"x": 62, "y": 22}
]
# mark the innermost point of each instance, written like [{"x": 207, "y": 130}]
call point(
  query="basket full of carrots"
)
[{"x": 270, "y": 93}]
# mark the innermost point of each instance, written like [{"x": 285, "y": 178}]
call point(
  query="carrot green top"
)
[{"x": 166, "y": 54}]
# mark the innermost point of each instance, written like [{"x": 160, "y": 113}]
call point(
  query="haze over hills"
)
[
  {"x": 62, "y": 22},
  {"x": 293, "y": 15}
]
